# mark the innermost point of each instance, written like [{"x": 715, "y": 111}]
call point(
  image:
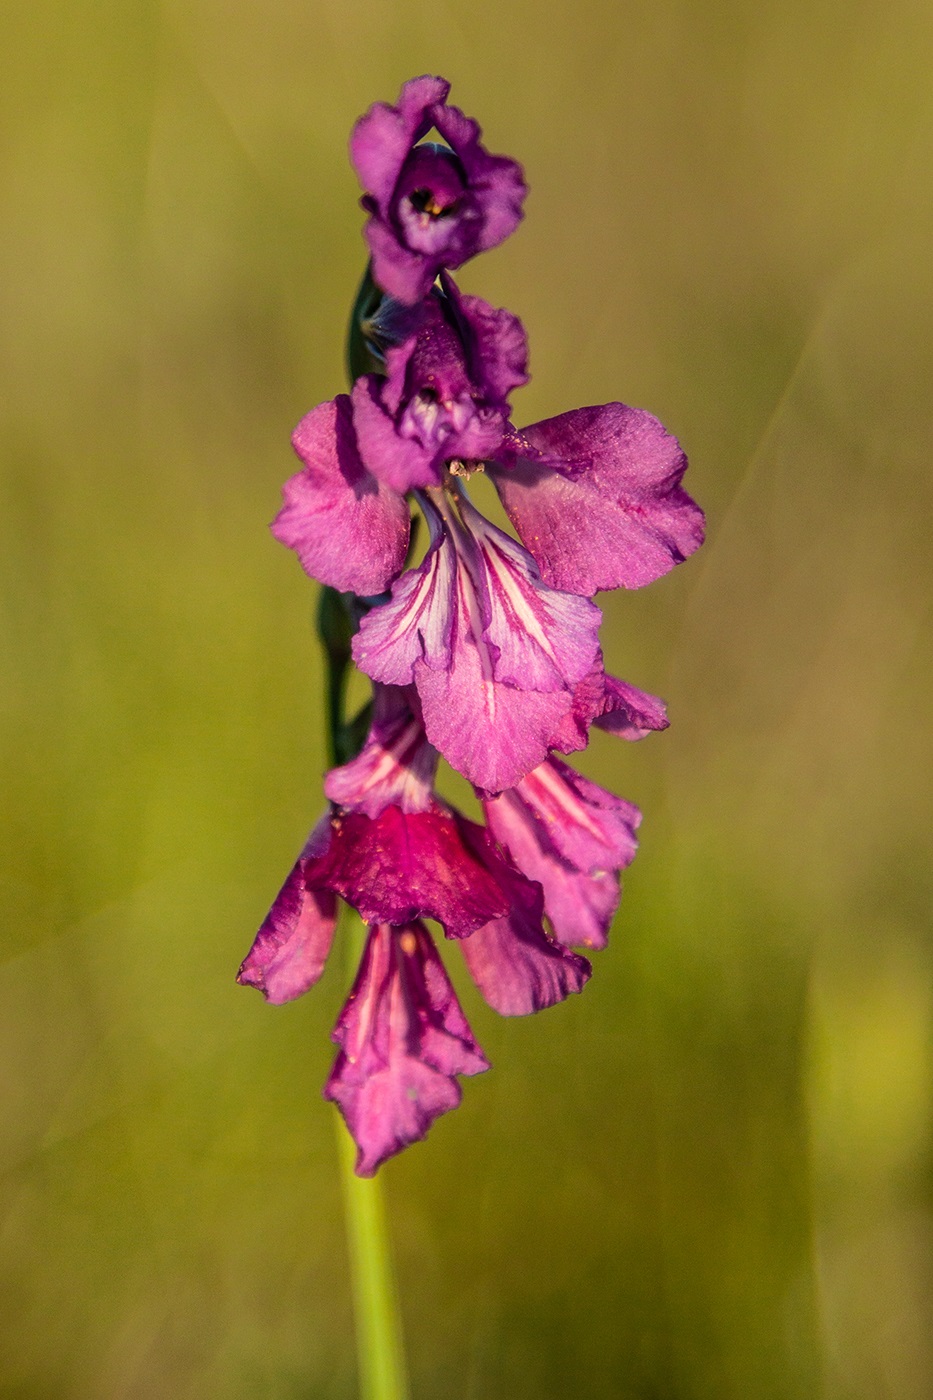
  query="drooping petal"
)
[
  {"x": 403, "y": 1038},
  {"x": 573, "y": 837},
  {"x": 491, "y": 732},
  {"x": 291, "y": 947},
  {"x": 630, "y": 713},
  {"x": 396, "y": 765},
  {"x": 516, "y": 966},
  {"x": 611, "y": 704},
  {"x": 348, "y": 529},
  {"x": 601, "y": 505},
  {"x": 399, "y": 867}
]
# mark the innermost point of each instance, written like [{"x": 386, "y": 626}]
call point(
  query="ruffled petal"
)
[
  {"x": 348, "y": 529},
  {"x": 430, "y": 206},
  {"x": 611, "y": 704},
  {"x": 291, "y": 947},
  {"x": 600, "y": 504},
  {"x": 497, "y": 183},
  {"x": 383, "y": 137},
  {"x": 399, "y": 867},
  {"x": 403, "y": 1037},
  {"x": 495, "y": 343},
  {"x": 516, "y": 966}
]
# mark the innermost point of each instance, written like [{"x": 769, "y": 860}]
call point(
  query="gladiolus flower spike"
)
[{"x": 486, "y": 652}]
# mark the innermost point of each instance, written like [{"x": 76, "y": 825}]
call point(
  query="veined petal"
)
[
  {"x": 418, "y": 621},
  {"x": 572, "y": 837},
  {"x": 396, "y": 765},
  {"x": 348, "y": 529},
  {"x": 488, "y": 730},
  {"x": 601, "y": 505},
  {"x": 516, "y": 966},
  {"x": 291, "y": 947},
  {"x": 403, "y": 1037},
  {"x": 543, "y": 639}
]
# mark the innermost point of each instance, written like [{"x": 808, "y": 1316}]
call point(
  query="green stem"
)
[
  {"x": 379, "y": 1345},
  {"x": 379, "y": 1342}
]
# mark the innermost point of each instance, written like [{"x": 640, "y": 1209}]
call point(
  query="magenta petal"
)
[
  {"x": 348, "y": 529},
  {"x": 496, "y": 343},
  {"x": 601, "y": 506},
  {"x": 382, "y": 138},
  {"x": 401, "y": 462},
  {"x": 516, "y": 966},
  {"x": 572, "y": 837},
  {"x": 403, "y": 1037},
  {"x": 490, "y": 732},
  {"x": 613, "y": 705},
  {"x": 396, "y": 765},
  {"x": 630, "y": 713},
  {"x": 400, "y": 867},
  {"x": 541, "y": 638},
  {"x": 290, "y": 950},
  {"x": 497, "y": 183},
  {"x": 417, "y": 622}
]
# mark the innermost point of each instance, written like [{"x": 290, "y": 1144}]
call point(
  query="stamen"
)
[{"x": 458, "y": 467}]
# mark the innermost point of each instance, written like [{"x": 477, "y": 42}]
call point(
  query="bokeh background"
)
[{"x": 710, "y": 1175}]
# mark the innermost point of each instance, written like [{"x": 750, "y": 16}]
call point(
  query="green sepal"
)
[{"x": 362, "y": 355}]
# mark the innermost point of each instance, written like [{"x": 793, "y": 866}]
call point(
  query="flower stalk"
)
[{"x": 380, "y": 1345}]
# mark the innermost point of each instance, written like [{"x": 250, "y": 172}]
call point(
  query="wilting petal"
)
[
  {"x": 400, "y": 867},
  {"x": 601, "y": 505},
  {"x": 348, "y": 529},
  {"x": 290, "y": 950},
  {"x": 516, "y": 966},
  {"x": 403, "y": 1037},
  {"x": 396, "y": 765},
  {"x": 572, "y": 837}
]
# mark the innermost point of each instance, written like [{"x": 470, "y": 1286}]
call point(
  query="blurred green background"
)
[{"x": 710, "y": 1175}]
